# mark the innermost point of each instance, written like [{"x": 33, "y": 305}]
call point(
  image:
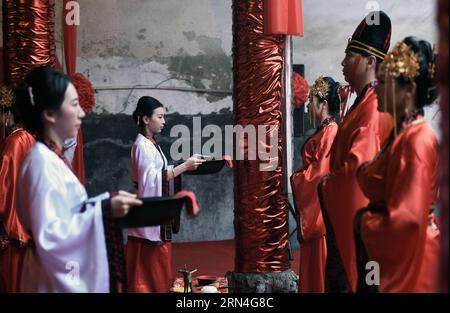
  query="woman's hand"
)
[
  {"x": 193, "y": 162},
  {"x": 121, "y": 203}
]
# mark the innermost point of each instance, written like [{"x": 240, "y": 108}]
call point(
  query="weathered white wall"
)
[{"x": 136, "y": 42}]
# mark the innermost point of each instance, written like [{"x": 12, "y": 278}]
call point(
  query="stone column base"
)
[{"x": 284, "y": 282}]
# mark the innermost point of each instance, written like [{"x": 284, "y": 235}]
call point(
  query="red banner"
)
[
  {"x": 69, "y": 23},
  {"x": 283, "y": 17},
  {"x": 70, "y": 37}
]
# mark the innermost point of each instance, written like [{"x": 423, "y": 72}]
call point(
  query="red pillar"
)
[{"x": 28, "y": 37}]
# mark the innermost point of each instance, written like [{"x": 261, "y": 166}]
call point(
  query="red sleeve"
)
[
  {"x": 6, "y": 181},
  {"x": 12, "y": 155}
]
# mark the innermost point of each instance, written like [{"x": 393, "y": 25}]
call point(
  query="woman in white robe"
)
[
  {"x": 69, "y": 252},
  {"x": 148, "y": 250}
]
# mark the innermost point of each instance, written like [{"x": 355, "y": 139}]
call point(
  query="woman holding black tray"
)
[{"x": 149, "y": 250}]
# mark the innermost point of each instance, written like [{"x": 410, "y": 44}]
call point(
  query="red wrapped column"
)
[
  {"x": 261, "y": 214},
  {"x": 28, "y": 37}
]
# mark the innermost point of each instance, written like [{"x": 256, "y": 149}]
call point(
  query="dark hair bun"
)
[
  {"x": 426, "y": 84},
  {"x": 44, "y": 88},
  {"x": 145, "y": 107},
  {"x": 333, "y": 98}
]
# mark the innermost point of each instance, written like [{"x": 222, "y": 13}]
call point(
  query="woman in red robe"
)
[
  {"x": 397, "y": 229},
  {"x": 14, "y": 238},
  {"x": 324, "y": 104}
]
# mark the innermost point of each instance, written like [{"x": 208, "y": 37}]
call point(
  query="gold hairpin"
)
[
  {"x": 320, "y": 88},
  {"x": 6, "y": 98},
  {"x": 402, "y": 61}
]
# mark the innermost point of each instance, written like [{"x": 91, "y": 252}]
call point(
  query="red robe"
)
[
  {"x": 316, "y": 160},
  {"x": 12, "y": 152},
  {"x": 357, "y": 141},
  {"x": 148, "y": 266},
  {"x": 403, "y": 238}
]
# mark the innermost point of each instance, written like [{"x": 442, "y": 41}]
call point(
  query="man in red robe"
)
[
  {"x": 357, "y": 141},
  {"x": 13, "y": 238}
]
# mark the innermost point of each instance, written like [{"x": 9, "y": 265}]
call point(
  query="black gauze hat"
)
[{"x": 373, "y": 36}]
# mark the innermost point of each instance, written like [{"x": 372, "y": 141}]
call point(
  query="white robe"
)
[
  {"x": 70, "y": 251},
  {"x": 147, "y": 164}
]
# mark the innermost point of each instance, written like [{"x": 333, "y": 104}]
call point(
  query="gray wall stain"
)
[
  {"x": 210, "y": 45},
  {"x": 190, "y": 36},
  {"x": 109, "y": 47},
  {"x": 203, "y": 71}
]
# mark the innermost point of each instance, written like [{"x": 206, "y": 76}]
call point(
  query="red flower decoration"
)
[
  {"x": 85, "y": 91},
  {"x": 301, "y": 90}
]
